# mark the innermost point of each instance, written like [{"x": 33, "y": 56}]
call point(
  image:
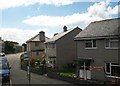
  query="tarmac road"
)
[{"x": 19, "y": 76}]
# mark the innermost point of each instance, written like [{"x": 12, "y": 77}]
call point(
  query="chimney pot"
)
[{"x": 64, "y": 29}]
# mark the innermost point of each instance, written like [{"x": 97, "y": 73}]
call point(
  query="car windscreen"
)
[{"x": 3, "y": 65}]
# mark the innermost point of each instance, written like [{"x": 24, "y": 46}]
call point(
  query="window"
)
[
  {"x": 36, "y": 43},
  {"x": 50, "y": 45},
  {"x": 90, "y": 43},
  {"x": 46, "y": 45},
  {"x": 112, "y": 69},
  {"x": 107, "y": 68},
  {"x": 37, "y": 53},
  {"x": 54, "y": 61},
  {"x": 115, "y": 70},
  {"x": 111, "y": 43}
]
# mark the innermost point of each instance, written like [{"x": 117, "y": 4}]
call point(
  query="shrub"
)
[
  {"x": 70, "y": 67},
  {"x": 21, "y": 56}
]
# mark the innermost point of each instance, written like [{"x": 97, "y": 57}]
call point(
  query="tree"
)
[
  {"x": 25, "y": 46},
  {"x": 9, "y": 47}
]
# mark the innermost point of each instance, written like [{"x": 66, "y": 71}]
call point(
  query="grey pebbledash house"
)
[
  {"x": 98, "y": 50},
  {"x": 36, "y": 46},
  {"x": 61, "y": 48}
]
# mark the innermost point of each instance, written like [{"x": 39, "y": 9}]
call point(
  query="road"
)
[{"x": 18, "y": 76}]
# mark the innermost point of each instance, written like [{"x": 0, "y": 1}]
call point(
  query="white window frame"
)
[
  {"x": 92, "y": 44},
  {"x": 108, "y": 74},
  {"x": 106, "y": 68},
  {"x": 110, "y": 40}
]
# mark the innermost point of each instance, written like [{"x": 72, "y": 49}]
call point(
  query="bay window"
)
[{"x": 112, "y": 69}]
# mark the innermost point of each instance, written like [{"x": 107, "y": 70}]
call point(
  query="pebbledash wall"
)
[{"x": 100, "y": 55}]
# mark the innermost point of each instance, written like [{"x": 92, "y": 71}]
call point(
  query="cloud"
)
[
  {"x": 60, "y": 21},
  {"x": 19, "y": 35},
  {"x": 115, "y": 10},
  {"x": 104, "y": 0},
  {"x": 4, "y": 4},
  {"x": 97, "y": 11}
]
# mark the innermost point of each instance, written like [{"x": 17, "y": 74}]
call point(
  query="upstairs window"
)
[
  {"x": 36, "y": 43},
  {"x": 50, "y": 45},
  {"x": 111, "y": 43},
  {"x": 90, "y": 44}
]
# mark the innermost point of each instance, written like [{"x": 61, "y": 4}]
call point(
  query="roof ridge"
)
[{"x": 105, "y": 20}]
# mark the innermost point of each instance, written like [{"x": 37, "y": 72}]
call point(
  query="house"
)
[
  {"x": 1, "y": 45},
  {"x": 61, "y": 48},
  {"x": 98, "y": 50},
  {"x": 36, "y": 46}
]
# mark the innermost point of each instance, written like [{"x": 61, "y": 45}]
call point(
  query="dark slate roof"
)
[
  {"x": 36, "y": 38},
  {"x": 100, "y": 29},
  {"x": 59, "y": 35}
]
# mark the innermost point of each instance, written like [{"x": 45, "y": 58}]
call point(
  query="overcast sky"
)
[{"x": 22, "y": 19}]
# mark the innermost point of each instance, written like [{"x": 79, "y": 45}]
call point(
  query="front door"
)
[{"x": 85, "y": 72}]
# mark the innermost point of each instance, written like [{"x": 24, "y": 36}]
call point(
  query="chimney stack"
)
[
  {"x": 64, "y": 29},
  {"x": 42, "y": 36}
]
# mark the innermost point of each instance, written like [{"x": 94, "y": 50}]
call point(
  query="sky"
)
[{"x": 22, "y": 19}]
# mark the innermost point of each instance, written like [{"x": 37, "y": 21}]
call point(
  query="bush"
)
[
  {"x": 70, "y": 67},
  {"x": 22, "y": 57}
]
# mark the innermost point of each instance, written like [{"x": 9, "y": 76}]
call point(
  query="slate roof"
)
[
  {"x": 100, "y": 29},
  {"x": 60, "y": 35},
  {"x": 36, "y": 38}
]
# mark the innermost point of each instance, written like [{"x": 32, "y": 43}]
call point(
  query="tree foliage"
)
[
  {"x": 25, "y": 46},
  {"x": 9, "y": 47}
]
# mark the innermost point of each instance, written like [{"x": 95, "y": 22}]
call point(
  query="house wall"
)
[
  {"x": 40, "y": 49},
  {"x": 40, "y": 46},
  {"x": 66, "y": 49},
  {"x": 28, "y": 46},
  {"x": 119, "y": 51},
  {"x": 100, "y": 55},
  {"x": 35, "y": 56},
  {"x": 51, "y": 52}
]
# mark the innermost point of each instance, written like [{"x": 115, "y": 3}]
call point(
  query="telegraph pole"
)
[{"x": 28, "y": 68}]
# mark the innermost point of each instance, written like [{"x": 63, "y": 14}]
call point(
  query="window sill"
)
[
  {"x": 91, "y": 48},
  {"x": 111, "y": 48},
  {"x": 117, "y": 77}
]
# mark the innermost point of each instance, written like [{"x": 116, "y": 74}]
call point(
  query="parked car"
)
[
  {"x": 2, "y": 54},
  {"x": 4, "y": 70}
]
